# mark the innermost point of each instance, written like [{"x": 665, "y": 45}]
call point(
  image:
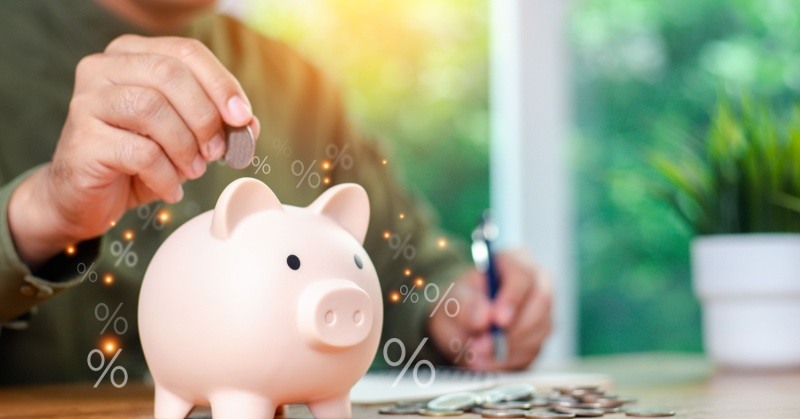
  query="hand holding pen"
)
[{"x": 521, "y": 309}]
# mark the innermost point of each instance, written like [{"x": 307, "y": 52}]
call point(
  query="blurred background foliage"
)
[
  {"x": 647, "y": 75},
  {"x": 415, "y": 73}
]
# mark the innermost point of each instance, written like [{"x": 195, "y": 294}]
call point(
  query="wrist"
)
[{"x": 33, "y": 222}]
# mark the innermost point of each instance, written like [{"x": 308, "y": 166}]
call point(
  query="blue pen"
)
[{"x": 482, "y": 255}]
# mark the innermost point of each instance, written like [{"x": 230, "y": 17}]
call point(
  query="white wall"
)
[{"x": 530, "y": 183}]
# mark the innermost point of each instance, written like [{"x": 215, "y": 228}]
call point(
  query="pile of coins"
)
[{"x": 521, "y": 401}]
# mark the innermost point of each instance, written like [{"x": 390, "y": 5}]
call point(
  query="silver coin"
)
[
  {"x": 564, "y": 399},
  {"x": 538, "y": 414},
  {"x": 580, "y": 413},
  {"x": 580, "y": 405},
  {"x": 592, "y": 397},
  {"x": 569, "y": 390},
  {"x": 507, "y": 405},
  {"x": 439, "y": 413},
  {"x": 398, "y": 410},
  {"x": 538, "y": 402},
  {"x": 516, "y": 391},
  {"x": 490, "y": 396},
  {"x": 241, "y": 146},
  {"x": 454, "y": 401},
  {"x": 503, "y": 413},
  {"x": 649, "y": 413},
  {"x": 609, "y": 403}
]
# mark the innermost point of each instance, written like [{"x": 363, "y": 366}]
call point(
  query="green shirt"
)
[{"x": 51, "y": 316}]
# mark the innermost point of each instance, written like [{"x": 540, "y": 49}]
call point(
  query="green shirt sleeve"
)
[{"x": 20, "y": 288}]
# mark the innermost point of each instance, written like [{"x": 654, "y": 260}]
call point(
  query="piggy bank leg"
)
[
  {"x": 241, "y": 405},
  {"x": 168, "y": 405},
  {"x": 333, "y": 408}
]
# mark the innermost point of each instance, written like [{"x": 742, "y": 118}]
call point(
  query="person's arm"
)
[
  {"x": 145, "y": 115},
  {"x": 418, "y": 233},
  {"x": 523, "y": 304},
  {"x": 22, "y": 288}
]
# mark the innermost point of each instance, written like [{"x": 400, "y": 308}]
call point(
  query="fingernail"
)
[
  {"x": 239, "y": 110},
  {"x": 504, "y": 315},
  {"x": 215, "y": 147},
  {"x": 199, "y": 165},
  {"x": 178, "y": 194}
]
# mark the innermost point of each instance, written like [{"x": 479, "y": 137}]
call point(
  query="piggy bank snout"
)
[{"x": 334, "y": 314}]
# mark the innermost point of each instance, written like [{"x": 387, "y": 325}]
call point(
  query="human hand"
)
[
  {"x": 522, "y": 309},
  {"x": 146, "y": 115}
]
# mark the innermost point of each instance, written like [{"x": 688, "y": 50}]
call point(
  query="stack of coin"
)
[{"x": 522, "y": 401}]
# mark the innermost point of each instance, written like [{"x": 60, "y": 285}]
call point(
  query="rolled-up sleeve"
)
[{"x": 20, "y": 288}]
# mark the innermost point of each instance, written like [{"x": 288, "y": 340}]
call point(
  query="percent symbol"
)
[
  {"x": 110, "y": 363},
  {"x": 124, "y": 253},
  {"x": 313, "y": 177},
  {"x": 446, "y": 301},
  {"x": 87, "y": 272},
  {"x": 283, "y": 147},
  {"x": 261, "y": 165},
  {"x": 155, "y": 216},
  {"x": 462, "y": 350},
  {"x": 333, "y": 152},
  {"x": 409, "y": 293},
  {"x": 411, "y": 360},
  {"x": 111, "y": 317},
  {"x": 402, "y": 246}
]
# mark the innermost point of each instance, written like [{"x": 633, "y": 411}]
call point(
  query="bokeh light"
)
[
  {"x": 419, "y": 282},
  {"x": 108, "y": 345},
  {"x": 407, "y": 271},
  {"x": 394, "y": 296},
  {"x": 70, "y": 250},
  {"x": 164, "y": 216},
  {"x": 108, "y": 279},
  {"x": 387, "y": 234},
  {"x": 128, "y": 235}
]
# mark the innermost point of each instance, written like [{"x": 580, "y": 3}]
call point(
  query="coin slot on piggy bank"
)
[{"x": 256, "y": 304}]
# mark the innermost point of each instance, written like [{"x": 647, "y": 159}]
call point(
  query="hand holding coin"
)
[{"x": 146, "y": 115}]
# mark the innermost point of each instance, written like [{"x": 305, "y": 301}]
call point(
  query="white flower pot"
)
[{"x": 749, "y": 287}]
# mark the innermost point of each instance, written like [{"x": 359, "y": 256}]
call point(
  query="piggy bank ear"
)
[
  {"x": 241, "y": 198},
  {"x": 348, "y": 205}
]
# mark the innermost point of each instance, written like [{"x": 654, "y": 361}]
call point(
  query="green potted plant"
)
[{"x": 739, "y": 195}]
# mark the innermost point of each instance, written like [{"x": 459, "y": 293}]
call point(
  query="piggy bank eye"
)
[
  {"x": 359, "y": 263},
  {"x": 293, "y": 262}
]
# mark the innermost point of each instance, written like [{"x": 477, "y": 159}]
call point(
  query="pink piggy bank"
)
[{"x": 255, "y": 304}]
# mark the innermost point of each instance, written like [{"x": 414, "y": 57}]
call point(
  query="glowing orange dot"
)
[
  {"x": 164, "y": 216},
  {"x": 407, "y": 271},
  {"x": 326, "y": 165},
  {"x": 402, "y": 216},
  {"x": 394, "y": 296},
  {"x": 109, "y": 345},
  {"x": 71, "y": 250},
  {"x": 326, "y": 180},
  {"x": 442, "y": 243},
  {"x": 419, "y": 282},
  {"x": 384, "y": 162},
  {"x": 108, "y": 279},
  {"x": 387, "y": 234},
  {"x": 113, "y": 223},
  {"x": 128, "y": 235}
]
